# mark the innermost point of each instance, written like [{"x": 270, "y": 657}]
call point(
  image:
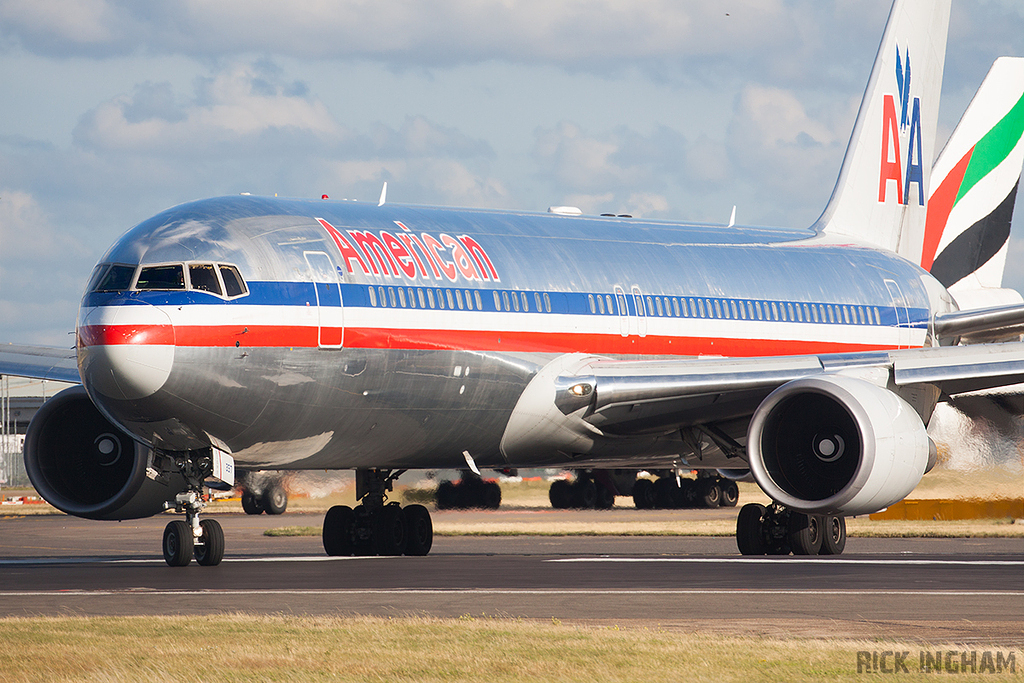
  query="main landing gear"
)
[
  {"x": 777, "y": 530},
  {"x": 190, "y": 538},
  {"x": 376, "y": 527}
]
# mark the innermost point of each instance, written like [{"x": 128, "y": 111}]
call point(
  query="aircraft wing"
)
[
  {"x": 40, "y": 362},
  {"x": 630, "y": 397}
]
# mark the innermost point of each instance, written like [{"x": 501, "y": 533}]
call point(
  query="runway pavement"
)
[{"x": 963, "y": 590}]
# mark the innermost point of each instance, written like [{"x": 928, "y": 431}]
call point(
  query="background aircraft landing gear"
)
[
  {"x": 671, "y": 492},
  {"x": 470, "y": 492},
  {"x": 184, "y": 539},
  {"x": 777, "y": 530},
  {"x": 264, "y": 492},
  {"x": 591, "y": 490},
  {"x": 376, "y": 527}
]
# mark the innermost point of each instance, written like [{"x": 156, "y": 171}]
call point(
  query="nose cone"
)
[{"x": 125, "y": 352}]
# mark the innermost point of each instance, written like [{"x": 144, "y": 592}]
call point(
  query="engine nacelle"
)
[
  {"x": 85, "y": 466},
  {"x": 836, "y": 445}
]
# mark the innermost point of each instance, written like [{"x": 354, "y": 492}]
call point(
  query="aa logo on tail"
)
[{"x": 897, "y": 128}]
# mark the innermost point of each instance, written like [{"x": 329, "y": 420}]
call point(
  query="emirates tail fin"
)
[{"x": 974, "y": 187}]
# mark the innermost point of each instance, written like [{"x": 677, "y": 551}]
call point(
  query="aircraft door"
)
[
  {"x": 330, "y": 310},
  {"x": 620, "y": 301},
  {"x": 899, "y": 304},
  {"x": 641, "y": 313}
]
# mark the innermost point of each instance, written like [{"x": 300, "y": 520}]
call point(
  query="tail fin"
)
[
  {"x": 880, "y": 195},
  {"x": 974, "y": 186}
]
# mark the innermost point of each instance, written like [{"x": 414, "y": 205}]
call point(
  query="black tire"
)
[
  {"x": 419, "y": 530},
  {"x": 560, "y": 494},
  {"x": 710, "y": 495},
  {"x": 605, "y": 498},
  {"x": 178, "y": 544},
  {"x": 750, "y": 530},
  {"x": 833, "y": 536},
  {"x": 730, "y": 493},
  {"x": 210, "y": 549},
  {"x": 490, "y": 496},
  {"x": 666, "y": 493},
  {"x": 447, "y": 496},
  {"x": 686, "y": 495},
  {"x": 251, "y": 504},
  {"x": 389, "y": 533},
  {"x": 337, "y": 530},
  {"x": 643, "y": 494},
  {"x": 275, "y": 499},
  {"x": 805, "y": 533},
  {"x": 584, "y": 493}
]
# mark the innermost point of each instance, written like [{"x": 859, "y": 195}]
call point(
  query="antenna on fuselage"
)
[
  {"x": 732, "y": 218},
  {"x": 383, "y": 194}
]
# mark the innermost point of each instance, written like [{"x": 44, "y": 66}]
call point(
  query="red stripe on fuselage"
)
[
  {"x": 270, "y": 336},
  {"x": 116, "y": 335}
]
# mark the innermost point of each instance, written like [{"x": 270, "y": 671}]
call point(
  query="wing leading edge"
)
[{"x": 40, "y": 362}]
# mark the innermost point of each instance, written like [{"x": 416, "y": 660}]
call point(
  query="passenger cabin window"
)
[
  {"x": 203, "y": 277},
  {"x": 162, "y": 277},
  {"x": 117, "y": 279}
]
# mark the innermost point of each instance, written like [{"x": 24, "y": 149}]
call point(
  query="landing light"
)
[{"x": 581, "y": 389}]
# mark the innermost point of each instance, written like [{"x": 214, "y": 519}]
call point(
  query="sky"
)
[{"x": 113, "y": 110}]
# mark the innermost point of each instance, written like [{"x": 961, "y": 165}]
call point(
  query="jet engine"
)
[
  {"x": 82, "y": 464},
  {"x": 837, "y": 445}
]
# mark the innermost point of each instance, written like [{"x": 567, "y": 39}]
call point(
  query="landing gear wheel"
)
[
  {"x": 447, "y": 496},
  {"x": 251, "y": 504},
  {"x": 710, "y": 496},
  {"x": 560, "y": 494},
  {"x": 666, "y": 493},
  {"x": 584, "y": 493},
  {"x": 178, "y": 543},
  {"x": 750, "y": 530},
  {"x": 419, "y": 530},
  {"x": 686, "y": 496},
  {"x": 643, "y": 494},
  {"x": 337, "y": 531},
  {"x": 389, "y": 533},
  {"x": 605, "y": 498},
  {"x": 490, "y": 496},
  {"x": 209, "y": 551},
  {"x": 730, "y": 493},
  {"x": 834, "y": 536},
  {"x": 275, "y": 499},
  {"x": 805, "y": 533}
]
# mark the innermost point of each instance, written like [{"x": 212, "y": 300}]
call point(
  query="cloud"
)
[
  {"x": 664, "y": 36},
  {"x": 233, "y": 105},
  {"x": 42, "y": 272}
]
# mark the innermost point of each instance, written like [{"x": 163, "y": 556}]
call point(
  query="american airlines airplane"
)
[{"x": 266, "y": 333}]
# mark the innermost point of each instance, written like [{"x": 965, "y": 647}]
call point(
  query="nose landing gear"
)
[{"x": 202, "y": 539}]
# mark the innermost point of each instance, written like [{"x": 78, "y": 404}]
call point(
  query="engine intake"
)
[
  {"x": 836, "y": 445},
  {"x": 85, "y": 466}
]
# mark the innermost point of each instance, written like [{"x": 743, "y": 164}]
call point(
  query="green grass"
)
[{"x": 242, "y": 647}]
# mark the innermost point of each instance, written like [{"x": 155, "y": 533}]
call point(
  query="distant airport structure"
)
[{"x": 20, "y": 398}]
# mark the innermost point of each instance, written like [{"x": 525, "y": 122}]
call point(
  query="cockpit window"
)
[
  {"x": 162, "y": 277},
  {"x": 233, "y": 282},
  {"x": 203, "y": 277},
  {"x": 117, "y": 278}
]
